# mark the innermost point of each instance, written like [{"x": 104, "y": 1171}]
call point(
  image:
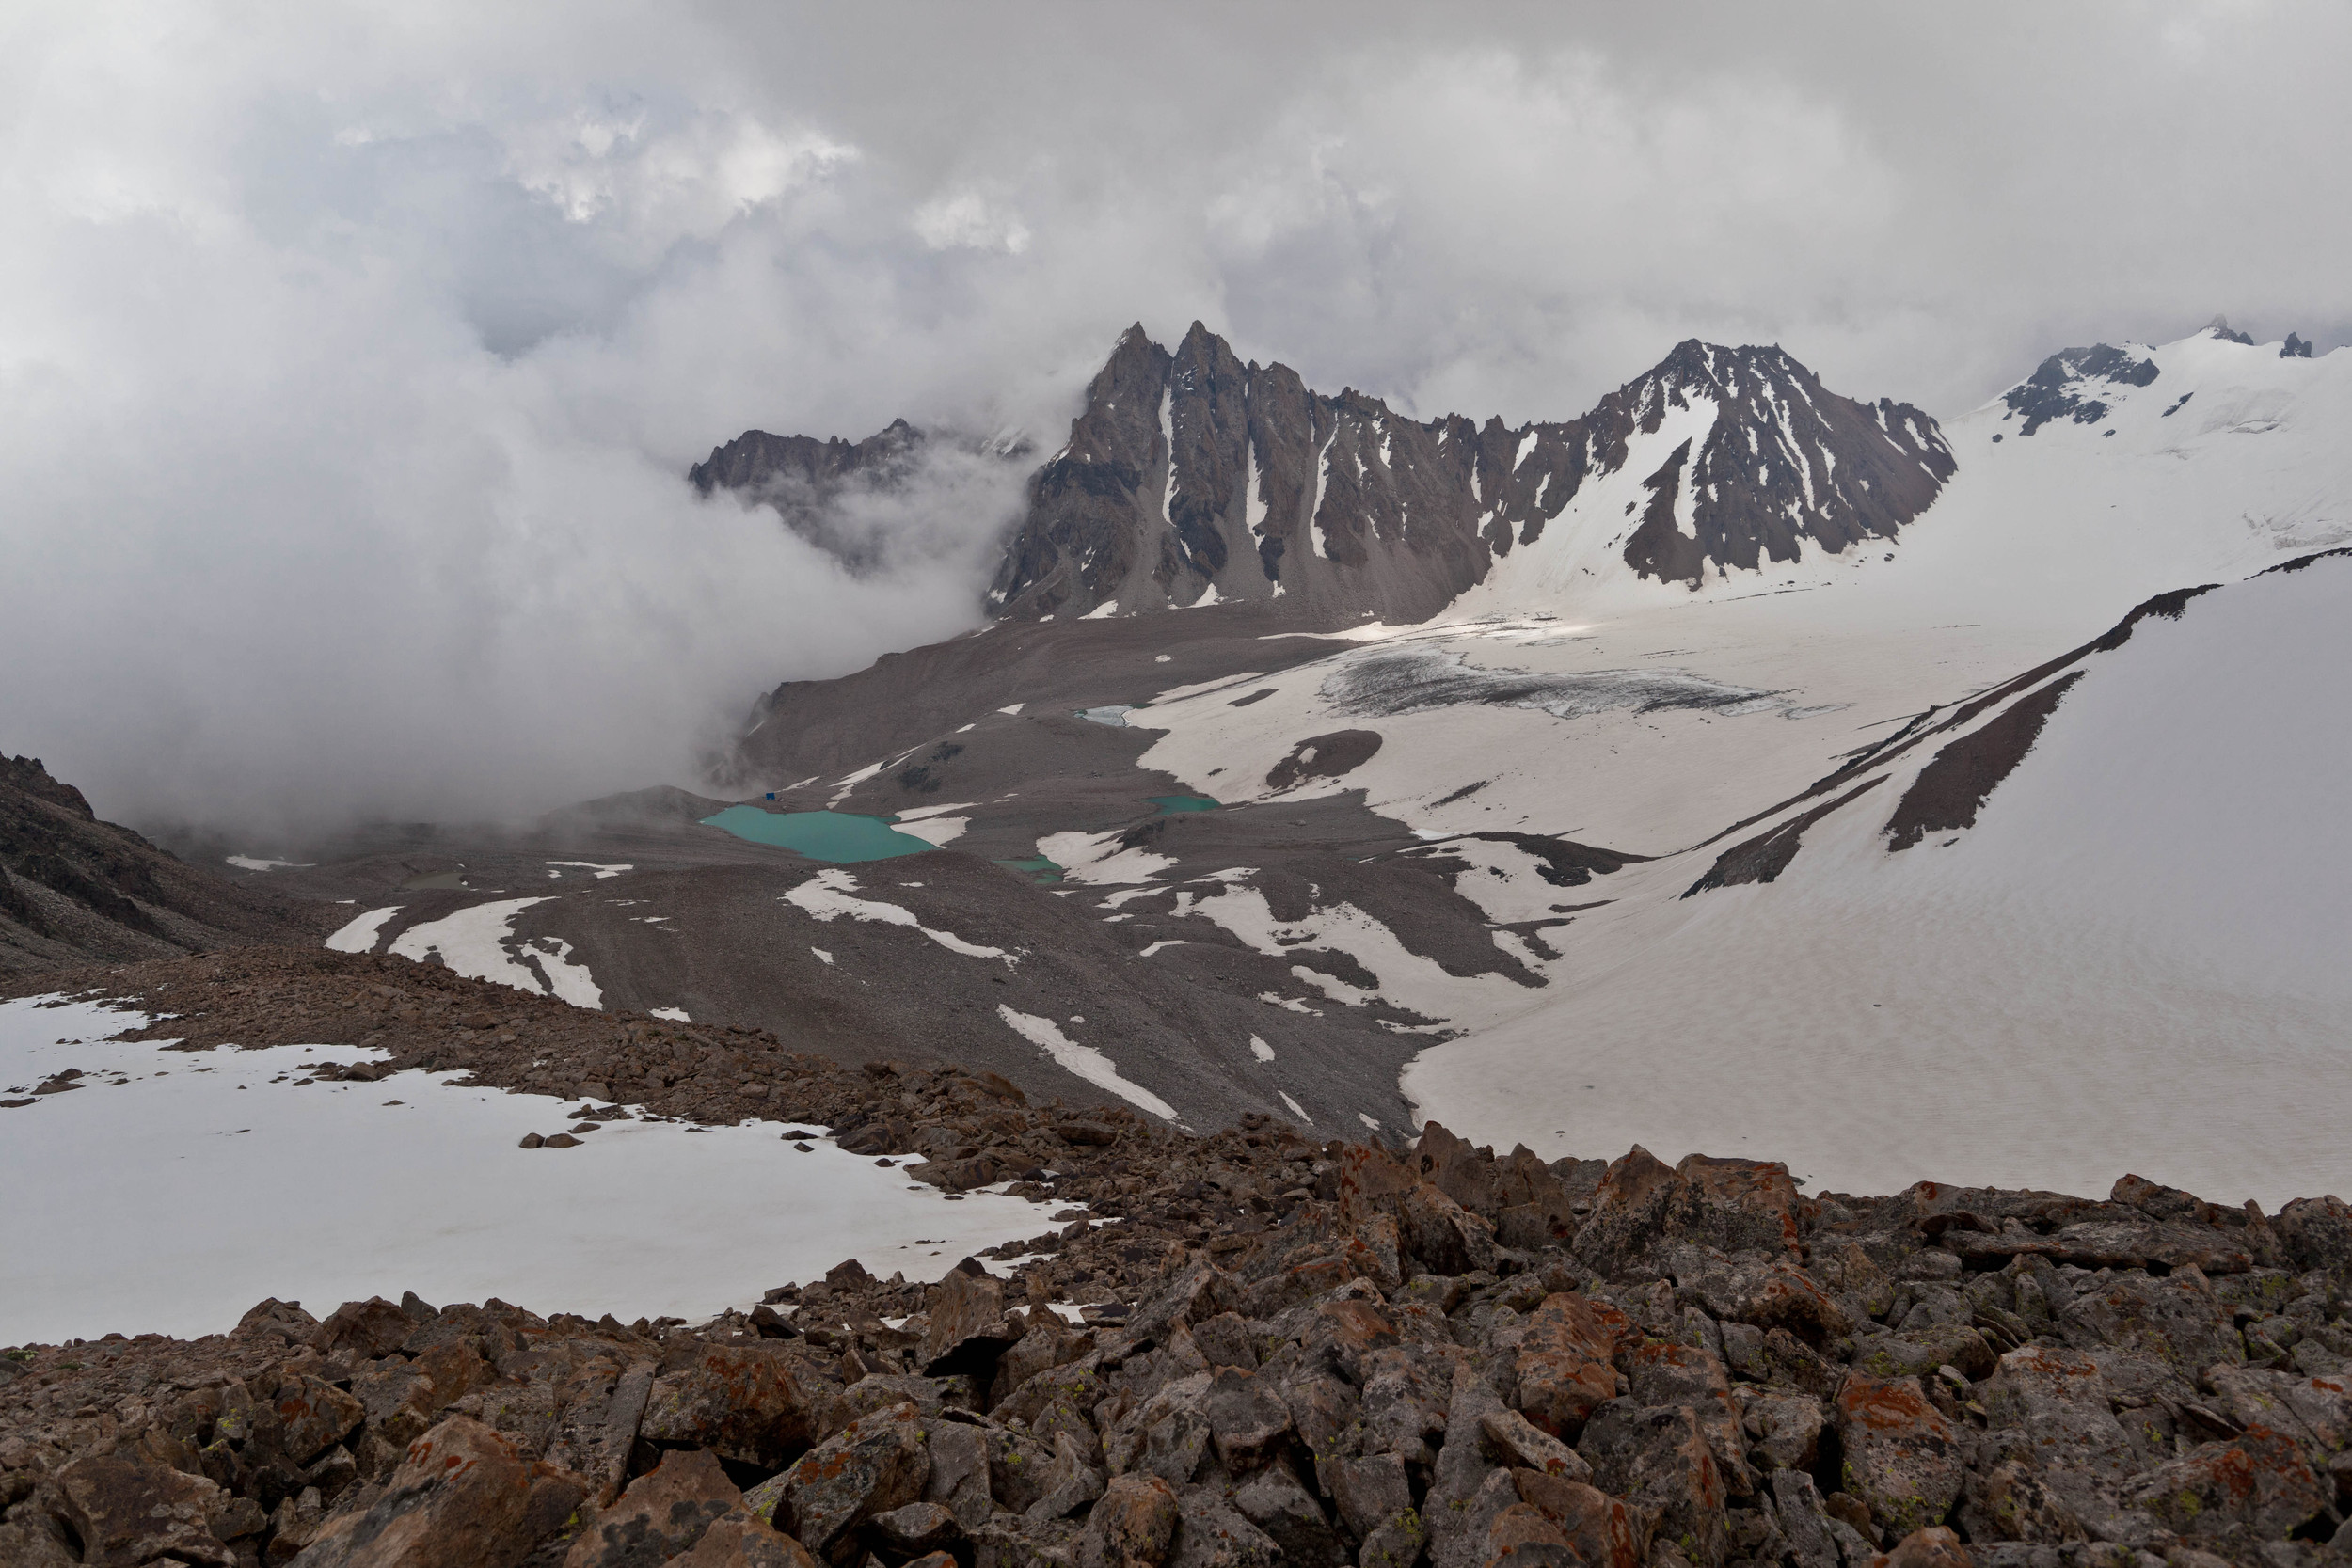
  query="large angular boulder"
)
[
  {"x": 2255, "y": 1488},
  {"x": 2053, "y": 1452},
  {"x": 2151, "y": 1334},
  {"x": 875, "y": 1464},
  {"x": 2316, "y": 1233},
  {"x": 1658, "y": 1457},
  {"x": 1133, "y": 1526},
  {"x": 1642, "y": 1208},
  {"x": 1249, "y": 1422},
  {"x": 664, "y": 1513},
  {"x": 741, "y": 1538},
  {"x": 1446, "y": 1237},
  {"x": 1601, "y": 1531},
  {"x": 1694, "y": 1377},
  {"x": 1212, "y": 1533},
  {"x": 461, "y": 1494},
  {"x": 368, "y": 1329},
  {"x": 127, "y": 1513},
  {"x": 751, "y": 1405},
  {"x": 1276, "y": 1501},
  {"x": 1567, "y": 1361},
  {"x": 968, "y": 1329},
  {"x": 2315, "y": 1411},
  {"x": 1368, "y": 1180},
  {"x": 313, "y": 1416},
  {"x": 1903, "y": 1458}
]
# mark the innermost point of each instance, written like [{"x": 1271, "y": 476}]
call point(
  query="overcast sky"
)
[{"x": 350, "y": 356}]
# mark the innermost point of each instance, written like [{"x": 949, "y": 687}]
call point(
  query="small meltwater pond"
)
[
  {"x": 838, "y": 837},
  {"x": 1171, "y": 804}
]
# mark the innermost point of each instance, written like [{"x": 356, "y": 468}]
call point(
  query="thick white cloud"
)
[{"x": 351, "y": 357}]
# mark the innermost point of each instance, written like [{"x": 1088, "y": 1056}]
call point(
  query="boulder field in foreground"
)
[
  {"x": 1449, "y": 1357},
  {"x": 1296, "y": 1352}
]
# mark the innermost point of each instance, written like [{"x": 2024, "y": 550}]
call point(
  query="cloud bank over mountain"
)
[{"x": 350, "y": 363}]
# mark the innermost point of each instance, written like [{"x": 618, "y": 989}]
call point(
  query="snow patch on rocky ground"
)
[{"x": 201, "y": 1181}]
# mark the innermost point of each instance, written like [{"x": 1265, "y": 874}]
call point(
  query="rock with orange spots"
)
[
  {"x": 663, "y": 1513},
  {"x": 1770, "y": 1293},
  {"x": 2315, "y": 1411},
  {"x": 741, "y": 1538},
  {"x": 461, "y": 1494},
  {"x": 755, "y": 1405},
  {"x": 1210, "y": 1533},
  {"x": 1694, "y": 1377},
  {"x": 2052, "y": 1453},
  {"x": 1604, "y": 1531},
  {"x": 312, "y": 1416},
  {"x": 1567, "y": 1361},
  {"x": 1511, "y": 1438},
  {"x": 2153, "y": 1334},
  {"x": 1658, "y": 1457},
  {"x": 1369, "y": 1180},
  {"x": 875, "y": 1464},
  {"x": 968, "y": 1329},
  {"x": 126, "y": 1512},
  {"x": 1903, "y": 1458},
  {"x": 370, "y": 1328},
  {"x": 1642, "y": 1208},
  {"x": 1446, "y": 1237},
  {"x": 1932, "y": 1548},
  {"x": 1342, "y": 1332},
  {"x": 1132, "y": 1527},
  {"x": 2255, "y": 1488}
]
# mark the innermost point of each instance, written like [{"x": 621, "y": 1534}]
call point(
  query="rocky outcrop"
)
[
  {"x": 1715, "y": 1369},
  {"x": 75, "y": 889},
  {"x": 1190, "y": 477}
]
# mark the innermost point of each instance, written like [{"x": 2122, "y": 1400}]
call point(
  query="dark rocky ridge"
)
[
  {"x": 1192, "y": 472},
  {"x": 1293, "y": 1351},
  {"x": 73, "y": 888}
]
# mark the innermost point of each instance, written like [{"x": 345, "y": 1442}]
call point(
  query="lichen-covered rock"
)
[
  {"x": 1903, "y": 1458},
  {"x": 2256, "y": 1487},
  {"x": 371, "y": 1328},
  {"x": 461, "y": 1494},
  {"x": 1659, "y": 1457},
  {"x": 1210, "y": 1533},
  {"x": 2153, "y": 1334},
  {"x": 313, "y": 1416},
  {"x": 755, "y": 1406},
  {"x": 1567, "y": 1361},
  {"x": 1133, "y": 1526},
  {"x": 874, "y": 1464},
  {"x": 1601, "y": 1531},
  {"x": 1695, "y": 1378},
  {"x": 1276, "y": 1501},
  {"x": 664, "y": 1513},
  {"x": 127, "y": 1513},
  {"x": 741, "y": 1538}
]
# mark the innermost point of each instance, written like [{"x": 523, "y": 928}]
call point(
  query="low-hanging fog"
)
[{"x": 351, "y": 358}]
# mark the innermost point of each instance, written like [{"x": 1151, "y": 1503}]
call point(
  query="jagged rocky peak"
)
[
  {"x": 2066, "y": 385},
  {"x": 823, "y": 490},
  {"x": 1191, "y": 478}
]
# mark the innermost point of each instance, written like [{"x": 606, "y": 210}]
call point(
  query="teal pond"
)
[
  {"x": 841, "y": 837},
  {"x": 1171, "y": 804}
]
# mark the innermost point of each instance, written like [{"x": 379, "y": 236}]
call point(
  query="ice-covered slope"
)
[{"x": 2100, "y": 921}]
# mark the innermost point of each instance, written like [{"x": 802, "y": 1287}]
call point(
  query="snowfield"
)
[
  {"x": 179, "y": 1188},
  {"x": 2134, "y": 960}
]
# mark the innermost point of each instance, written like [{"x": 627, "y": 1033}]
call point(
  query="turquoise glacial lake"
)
[
  {"x": 838, "y": 837},
  {"x": 1171, "y": 804}
]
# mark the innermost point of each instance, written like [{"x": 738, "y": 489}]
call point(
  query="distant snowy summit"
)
[{"x": 1191, "y": 478}]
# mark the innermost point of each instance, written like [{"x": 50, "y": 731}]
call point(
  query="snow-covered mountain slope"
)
[{"x": 2099, "y": 918}]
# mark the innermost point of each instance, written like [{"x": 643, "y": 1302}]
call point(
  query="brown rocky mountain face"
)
[
  {"x": 1191, "y": 473},
  {"x": 73, "y": 888},
  {"x": 1192, "y": 478}
]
